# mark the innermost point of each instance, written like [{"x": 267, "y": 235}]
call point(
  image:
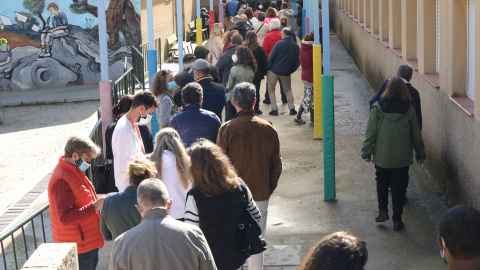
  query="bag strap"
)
[{"x": 259, "y": 28}]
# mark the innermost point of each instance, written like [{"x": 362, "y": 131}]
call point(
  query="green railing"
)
[
  {"x": 123, "y": 86},
  {"x": 14, "y": 256},
  {"x": 138, "y": 67}
]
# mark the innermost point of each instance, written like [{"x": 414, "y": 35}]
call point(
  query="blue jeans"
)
[
  {"x": 284, "y": 97},
  {"x": 88, "y": 260}
]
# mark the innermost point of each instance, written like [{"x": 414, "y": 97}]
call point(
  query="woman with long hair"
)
[
  {"x": 250, "y": 16},
  {"x": 119, "y": 213},
  {"x": 163, "y": 87},
  {"x": 306, "y": 61},
  {"x": 227, "y": 39},
  {"x": 392, "y": 129},
  {"x": 261, "y": 58},
  {"x": 243, "y": 70},
  {"x": 215, "y": 43},
  {"x": 337, "y": 251},
  {"x": 172, "y": 163},
  {"x": 216, "y": 202},
  {"x": 270, "y": 14}
]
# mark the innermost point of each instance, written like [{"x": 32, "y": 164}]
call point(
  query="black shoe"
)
[
  {"x": 273, "y": 112},
  {"x": 398, "y": 225},
  {"x": 284, "y": 101},
  {"x": 382, "y": 216},
  {"x": 266, "y": 101},
  {"x": 258, "y": 112},
  {"x": 293, "y": 112}
]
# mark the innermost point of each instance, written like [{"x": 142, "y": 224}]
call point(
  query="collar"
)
[
  {"x": 192, "y": 107},
  {"x": 405, "y": 81},
  {"x": 156, "y": 212},
  {"x": 204, "y": 78},
  {"x": 67, "y": 166},
  {"x": 245, "y": 112},
  {"x": 287, "y": 38},
  {"x": 130, "y": 189}
]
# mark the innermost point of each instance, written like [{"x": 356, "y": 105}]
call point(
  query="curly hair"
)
[
  {"x": 228, "y": 36},
  {"x": 271, "y": 13},
  {"x": 245, "y": 57},
  {"x": 140, "y": 169},
  {"x": 159, "y": 84},
  {"x": 251, "y": 40}
]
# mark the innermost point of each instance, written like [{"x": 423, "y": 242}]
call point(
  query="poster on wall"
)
[{"x": 54, "y": 43}]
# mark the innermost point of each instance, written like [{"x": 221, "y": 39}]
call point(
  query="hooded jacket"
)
[
  {"x": 242, "y": 28},
  {"x": 392, "y": 128},
  {"x": 290, "y": 14},
  {"x": 306, "y": 61},
  {"x": 225, "y": 63}
]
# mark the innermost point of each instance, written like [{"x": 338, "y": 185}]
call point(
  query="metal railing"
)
[
  {"x": 11, "y": 251},
  {"x": 123, "y": 86},
  {"x": 138, "y": 67},
  {"x": 157, "y": 44}
]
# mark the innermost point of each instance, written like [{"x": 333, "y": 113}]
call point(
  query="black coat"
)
[
  {"x": 261, "y": 58},
  {"x": 242, "y": 28},
  {"x": 185, "y": 77},
  {"x": 225, "y": 64}
]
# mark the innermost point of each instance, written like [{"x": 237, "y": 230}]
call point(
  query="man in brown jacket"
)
[{"x": 253, "y": 147}]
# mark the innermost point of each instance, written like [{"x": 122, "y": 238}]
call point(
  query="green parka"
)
[{"x": 389, "y": 137}]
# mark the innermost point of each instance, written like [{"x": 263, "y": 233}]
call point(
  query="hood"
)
[
  {"x": 306, "y": 45},
  {"x": 392, "y": 109},
  {"x": 289, "y": 12}
]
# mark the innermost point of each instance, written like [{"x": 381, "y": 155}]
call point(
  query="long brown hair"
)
[
  {"x": 228, "y": 36},
  {"x": 251, "y": 40},
  {"x": 396, "y": 89},
  {"x": 245, "y": 57},
  {"x": 271, "y": 12},
  {"x": 159, "y": 84},
  {"x": 211, "y": 170},
  {"x": 168, "y": 139},
  {"x": 339, "y": 251}
]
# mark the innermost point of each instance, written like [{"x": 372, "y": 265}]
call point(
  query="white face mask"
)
[
  {"x": 234, "y": 58},
  {"x": 145, "y": 120}
]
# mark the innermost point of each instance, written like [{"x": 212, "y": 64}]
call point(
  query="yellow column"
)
[
  {"x": 199, "y": 31},
  {"x": 317, "y": 89}
]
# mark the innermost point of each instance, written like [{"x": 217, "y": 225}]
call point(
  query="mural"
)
[{"x": 54, "y": 43}]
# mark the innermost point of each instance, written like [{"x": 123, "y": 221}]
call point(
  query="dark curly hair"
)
[
  {"x": 271, "y": 12},
  {"x": 245, "y": 57},
  {"x": 159, "y": 84},
  {"x": 251, "y": 40}
]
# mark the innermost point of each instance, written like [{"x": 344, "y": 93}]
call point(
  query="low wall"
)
[
  {"x": 451, "y": 137},
  {"x": 53, "y": 257}
]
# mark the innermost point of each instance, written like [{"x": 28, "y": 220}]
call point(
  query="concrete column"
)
[
  {"x": 374, "y": 16},
  {"x": 58, "y": 256},
  {"x": 477, "y": 61},
  {"x": 383, "y": 21},
  {"x": 366, "y": 13},
  {"x": 395, "y": 24},
  {"x": 354, "y": 9},
  {"x": 360, "y": 8},
  {"x": 409, "y": 29},
  {"x": 427, "y": 27},
  {"x": 453, "y": 48}
]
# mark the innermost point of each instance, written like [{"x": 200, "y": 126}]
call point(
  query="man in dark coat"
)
[
  {"x": 225, "y": 61},
  {"x": 241, "y": 26}
]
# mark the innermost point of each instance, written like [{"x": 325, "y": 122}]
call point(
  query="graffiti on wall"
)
[{"x": 54, "y": 43}]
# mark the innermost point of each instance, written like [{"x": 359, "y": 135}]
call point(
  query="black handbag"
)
[
  {"x": 104, "y": 179},
  {"x": 248, "y": 235}
]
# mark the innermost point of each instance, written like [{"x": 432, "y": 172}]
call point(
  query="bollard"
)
[
  {"x": 199, "y": 31},
  {"x": 317, "y": 89}
]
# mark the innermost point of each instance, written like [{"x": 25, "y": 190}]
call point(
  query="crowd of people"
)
[{"x": 180, "y": 189}]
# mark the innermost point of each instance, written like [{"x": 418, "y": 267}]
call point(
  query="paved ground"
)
[{"x": 298, "y": 216}]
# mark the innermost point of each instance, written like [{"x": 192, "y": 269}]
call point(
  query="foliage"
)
[
  {"x": 89, "y": 22},
  {"x": 32, "y": 20},
  {"x": 78, "y": 8},
  {"x": 2, "y": 40},
  {"x": 34, "y": 6}
]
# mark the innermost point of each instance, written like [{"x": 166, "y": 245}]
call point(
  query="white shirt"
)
[
  {"x": 172, "y": 181},
  {"x": 125, "y": 146}
]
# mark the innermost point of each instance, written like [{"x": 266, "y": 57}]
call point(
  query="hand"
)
[
  {"x": 367, "y": 159},
  {"x": 99, "y": 203},
  {"x": 420, "y": 161}
]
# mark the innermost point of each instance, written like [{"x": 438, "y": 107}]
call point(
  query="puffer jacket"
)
[
  {"x": 306, "y": 61},
  {"x": 290, "y": 14}
]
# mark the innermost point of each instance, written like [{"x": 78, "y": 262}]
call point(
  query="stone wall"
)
[{"x": 53, "y": 257}]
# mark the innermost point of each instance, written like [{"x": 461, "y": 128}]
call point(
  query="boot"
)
[
  {"x": 42, "y": 54},
  {"x": 382, "y": 216},
  {"x": 47, "y": 51}
]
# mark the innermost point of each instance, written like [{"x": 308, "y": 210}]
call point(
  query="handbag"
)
[
  {"x": 104, "y": 179},
  {"x": 248, "y": 235}
]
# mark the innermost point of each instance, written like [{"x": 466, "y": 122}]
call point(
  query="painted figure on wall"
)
[
  {"x": 60, "y": 28},
  {"x": 55, "y": 43}
]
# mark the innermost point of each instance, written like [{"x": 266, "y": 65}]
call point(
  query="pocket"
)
[{"x": 81, "y": 234}]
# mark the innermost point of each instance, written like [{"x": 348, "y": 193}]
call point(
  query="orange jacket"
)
[{"x": 85, "y": 232}]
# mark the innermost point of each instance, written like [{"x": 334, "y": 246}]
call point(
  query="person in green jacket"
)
[
  {"x": 243, "y": 70},
  {"x": 392, "y": 129}
]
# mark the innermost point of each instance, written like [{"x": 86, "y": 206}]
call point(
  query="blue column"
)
[
  {"x": 151, "y": 53},
  {"x": 326, "y": 37},
  {"x": 180, "y": 35},
  {"x": 102, "y": 36},
  {"x": 304, "y": 15}
]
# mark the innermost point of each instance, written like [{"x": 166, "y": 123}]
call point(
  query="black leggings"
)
[{"x": 397, "y": 179}]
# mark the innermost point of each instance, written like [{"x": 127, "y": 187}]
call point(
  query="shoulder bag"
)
[{"x": 248, "y": 235}]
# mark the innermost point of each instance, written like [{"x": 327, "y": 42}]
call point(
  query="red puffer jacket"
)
[{"x": 306, "y": 61}]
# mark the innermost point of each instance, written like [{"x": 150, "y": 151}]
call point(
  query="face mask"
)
[
  {"x": 82, "y": 165},
  {"x": 145, "y": 120},
  {"x": 222, "y": 31},
  {"x": 244, "y": 6},
  {"x": 171, "y": 86},
  {"x": 298, "y": 5},
  {"x": 234, "y": 58},
  {"x": 260, "y": 7},
  {"x": 442, "y": 251}
]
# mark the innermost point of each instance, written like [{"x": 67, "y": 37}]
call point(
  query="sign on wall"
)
[{"x": 54, "y": 43}]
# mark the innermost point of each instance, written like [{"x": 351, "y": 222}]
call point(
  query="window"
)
[{"x": 471, "y": 50}]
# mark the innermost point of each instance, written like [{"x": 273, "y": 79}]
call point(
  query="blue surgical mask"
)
[
  {"x": 244, "y": 6},
  {"x": 82, "y": 165},
  {"x": 171, "y": 86},
  {"x": 298, "y": 5},
  {"x": 260, "y": 7}
]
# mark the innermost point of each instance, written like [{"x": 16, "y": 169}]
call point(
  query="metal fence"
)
[
  {"x": 138, "y": 67},
  {"x": 25, "y": 231},
  {"x": 157, "y": 44},
  {"x": 123, "y": 86}
]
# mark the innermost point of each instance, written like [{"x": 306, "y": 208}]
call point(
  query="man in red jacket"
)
[{"x": 74, "y": 205}]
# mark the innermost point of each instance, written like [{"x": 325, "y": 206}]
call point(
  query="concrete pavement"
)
[{"x": 298, "y": 217}]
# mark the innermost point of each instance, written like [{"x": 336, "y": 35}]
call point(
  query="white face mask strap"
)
[{"x": 442, "y": 251}]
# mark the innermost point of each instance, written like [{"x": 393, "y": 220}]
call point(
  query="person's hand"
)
[
  {"x": 99, "y": 203},
  {"x": 367, "y": 159},
  {"x": 420, "y": 161}
]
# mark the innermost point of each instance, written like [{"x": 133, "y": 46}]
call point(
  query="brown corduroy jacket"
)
[{"x": 253, "y": 147}]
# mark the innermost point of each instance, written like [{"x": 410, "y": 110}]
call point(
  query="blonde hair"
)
[
  {"x": 211, "y": 169},
  {"x": 168, "y": 139},
  {"x": 228, "y": 36},
  {"x": 216, "y": 31},
  {"x": 81, "y": 146},
  {"x": 140, "y": 169}
]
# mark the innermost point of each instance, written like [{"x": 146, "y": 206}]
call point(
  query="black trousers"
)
[
  {"x": 257, "y": 94},
  {"x": 397, "y": 179}
]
